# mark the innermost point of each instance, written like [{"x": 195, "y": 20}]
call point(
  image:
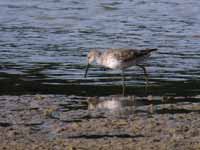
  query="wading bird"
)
[{"x": 119, "y": 59}]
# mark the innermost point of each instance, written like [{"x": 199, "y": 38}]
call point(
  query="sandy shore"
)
[{"x": 68, "y": 122}]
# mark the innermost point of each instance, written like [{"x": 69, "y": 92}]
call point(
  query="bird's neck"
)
[{"x": 98, "y": 60}]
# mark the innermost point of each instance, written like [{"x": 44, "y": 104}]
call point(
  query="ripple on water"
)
[{"x": 60, "y": 33}]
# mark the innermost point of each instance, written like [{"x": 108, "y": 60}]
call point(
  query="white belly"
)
[
  {"x": 112, "y": 63},
  {"x": 116, "y": 64}
]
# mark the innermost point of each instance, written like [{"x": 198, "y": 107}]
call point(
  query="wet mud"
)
[{"x": 111, "y": 122}]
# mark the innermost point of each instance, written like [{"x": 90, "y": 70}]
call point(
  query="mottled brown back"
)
[{"x": 128, "y": 54}]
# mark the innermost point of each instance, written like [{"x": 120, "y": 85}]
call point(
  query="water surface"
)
[{"x": 43, "y": 45}]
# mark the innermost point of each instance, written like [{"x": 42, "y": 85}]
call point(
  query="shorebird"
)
[{"x": 119, "y": 59}]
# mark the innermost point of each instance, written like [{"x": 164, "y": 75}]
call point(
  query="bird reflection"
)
[
  {"x": 117, "y": 105},
  {"x": 125, "y": 106}
]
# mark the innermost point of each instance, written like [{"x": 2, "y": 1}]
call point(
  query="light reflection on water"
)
[{"x": 131, "y": 105}]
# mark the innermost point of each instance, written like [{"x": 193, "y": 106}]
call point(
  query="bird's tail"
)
[
  {"x": 149, "y": 50},
  {"x": 146, "y": 52}
]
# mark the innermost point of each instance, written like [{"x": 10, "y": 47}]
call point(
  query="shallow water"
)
[{"x": 43, "y": 45}]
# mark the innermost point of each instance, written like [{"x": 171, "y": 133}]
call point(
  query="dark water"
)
[{"x": 43, "y": 45}]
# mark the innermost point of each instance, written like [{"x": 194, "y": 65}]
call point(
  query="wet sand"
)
[{"x": 69, "y": 122}]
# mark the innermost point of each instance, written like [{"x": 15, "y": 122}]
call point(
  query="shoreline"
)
[{"x": 72, "y": 122}]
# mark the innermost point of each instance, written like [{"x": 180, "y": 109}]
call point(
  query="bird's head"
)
[{"x": 91, "y": 57}]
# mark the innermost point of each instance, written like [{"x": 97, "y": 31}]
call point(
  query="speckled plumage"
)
[{"x": 119, "y": 58}]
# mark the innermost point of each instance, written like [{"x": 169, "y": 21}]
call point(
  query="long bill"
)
[{"x": 86, "y": 70}]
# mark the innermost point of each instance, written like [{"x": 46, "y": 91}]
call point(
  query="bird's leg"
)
[
  {"x": 145, "y": 74},
  {"x": 123, "y": 83},
  {"x": 104, "y": 69}
]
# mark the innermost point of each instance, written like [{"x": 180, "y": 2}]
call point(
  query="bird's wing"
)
[
  {"x": 124, "y": 54},
  {"x": 129, "y": 54}
]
